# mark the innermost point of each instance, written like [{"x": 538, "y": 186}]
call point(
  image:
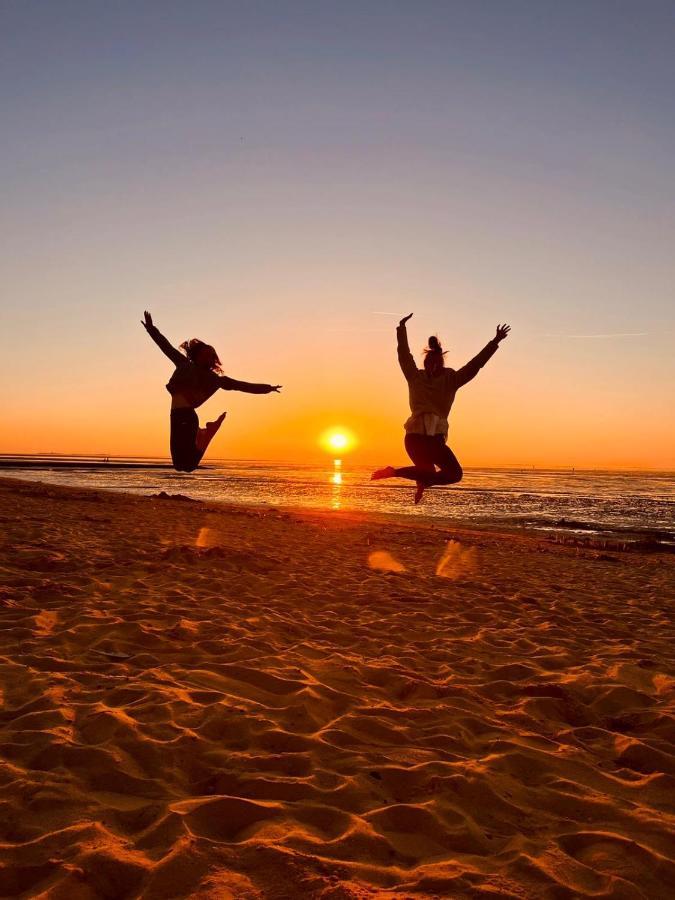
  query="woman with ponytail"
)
[
  {"x": 431, "y": 394},
  {"x": 197, "y": 377}
]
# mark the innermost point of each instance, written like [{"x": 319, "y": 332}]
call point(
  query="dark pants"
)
[
  {"x": 428, "y": 451},
  {"x": 184, "y": 427}
]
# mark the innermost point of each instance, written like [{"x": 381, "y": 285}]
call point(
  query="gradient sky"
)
[{"x": 286, "y": 179}]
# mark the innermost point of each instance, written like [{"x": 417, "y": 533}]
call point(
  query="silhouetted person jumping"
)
[
  {"x": 197, "y": 377},
  {"x": 431, "y": 394}
]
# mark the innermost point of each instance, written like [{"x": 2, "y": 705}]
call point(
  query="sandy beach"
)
[{"x": 234, "y": 703}]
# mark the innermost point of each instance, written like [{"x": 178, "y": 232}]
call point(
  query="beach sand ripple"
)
[{"x": 212, "y": 702}]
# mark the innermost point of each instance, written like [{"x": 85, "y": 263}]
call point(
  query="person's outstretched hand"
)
[
  {"x": 148, "y": 320},
  {"x": 502, "y": 332},
  {"x": 276, "y": 388},
  {"x": 405, "y": 319}
]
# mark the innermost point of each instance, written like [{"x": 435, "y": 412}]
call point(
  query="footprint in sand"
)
[{"x": 45, "y": 621}]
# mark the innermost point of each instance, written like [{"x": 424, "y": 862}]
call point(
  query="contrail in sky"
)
[{"x": 616, "y": 334}]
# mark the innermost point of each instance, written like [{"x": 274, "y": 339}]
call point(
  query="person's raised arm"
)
[
  {"x": 473, "y": 367},
  {"x": 405, "y": 357},
  {"x": 174, "y": 355},
  {"x": 231, "y": 384}
]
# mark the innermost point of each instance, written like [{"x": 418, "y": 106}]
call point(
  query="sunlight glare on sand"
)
[
  {"x": 456, "y": 561},
  {"x": 204, "y": 538},
  {"x": 383, "y": 561}
]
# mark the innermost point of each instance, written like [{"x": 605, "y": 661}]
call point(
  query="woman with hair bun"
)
[
  {"x": 431, "y": 394},
  {"x": 197, "y": 377}
]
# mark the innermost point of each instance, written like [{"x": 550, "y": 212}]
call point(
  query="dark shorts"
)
[{"x": 184, "y": 427}]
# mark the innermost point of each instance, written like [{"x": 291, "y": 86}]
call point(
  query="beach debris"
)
[
  {"x": 164, "y": 496},
  {"x": 45, "y": 621}
]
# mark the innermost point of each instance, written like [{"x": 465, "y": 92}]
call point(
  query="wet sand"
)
[{"x": 214, "y": 702}]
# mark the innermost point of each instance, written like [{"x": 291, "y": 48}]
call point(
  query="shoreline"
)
[
  {"x": 208, "y": 700},
  {"x": 563, "y": 532},
  {"x": 47, "y": 458}
]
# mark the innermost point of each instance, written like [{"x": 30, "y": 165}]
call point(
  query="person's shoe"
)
[
  {"x": 419, "y": 493},
  {"x": 387, "y": 472}
]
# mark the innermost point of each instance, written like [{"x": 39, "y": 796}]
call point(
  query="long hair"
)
[
  {"x": 433, "y": 355},
  {"x": 194, "y": 348}
]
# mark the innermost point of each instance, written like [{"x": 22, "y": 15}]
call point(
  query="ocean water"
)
[{"x": 581, "y": 501}]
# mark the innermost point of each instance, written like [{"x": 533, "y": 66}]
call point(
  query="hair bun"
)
[{"x": 434, "y": 343}]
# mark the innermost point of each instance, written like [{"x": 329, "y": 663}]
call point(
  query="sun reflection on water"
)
[{"x": 336, "y": 481}]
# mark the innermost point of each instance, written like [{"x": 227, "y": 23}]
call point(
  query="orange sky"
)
[
  {"x": 274, "y": 182},
  {"x": 529, "y": 406}
]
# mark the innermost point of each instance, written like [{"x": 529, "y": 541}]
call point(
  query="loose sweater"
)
[{"x": 431, "y": 396}]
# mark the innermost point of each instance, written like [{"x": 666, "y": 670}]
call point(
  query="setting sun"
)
[{"x": 338, "y": 440}]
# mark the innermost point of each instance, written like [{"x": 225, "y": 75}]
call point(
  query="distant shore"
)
[
  {"x": 44, "y": 462},
  {"x": 210, "y": 700},
  {"x": 30, "y": 460}
]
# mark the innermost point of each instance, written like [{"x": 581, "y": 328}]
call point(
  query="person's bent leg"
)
[
  {"x": 414, "y": 445},
  {"x": 450, "y": 469},
  {"x": 387, "y": 472},
  {"x": 420, "y": 448},
  {"x": 206, "y": 434},
  {"x": 185, "y": 454},
  {"x": 412, "y": 473}
]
